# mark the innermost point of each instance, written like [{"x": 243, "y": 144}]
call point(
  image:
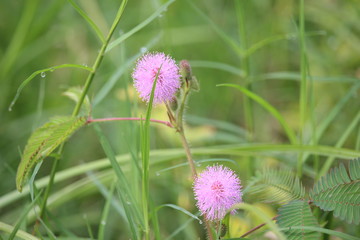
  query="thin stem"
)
[
  {"x": 304, "y": 83},
  {"x": 129, "y": 119},
  {"x": 180, "y": 129},
  {"x": 80, "y": 102},
  {"x": 99, "y": 58},
  {"x": 188, "y": 154},
  {"x": 256, "y": 228},
  {"x": 245, "y": 62}
]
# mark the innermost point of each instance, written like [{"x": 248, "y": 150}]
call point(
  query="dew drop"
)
[
  {"x": 160, "y": 15},
  {"x": 200, "y": 222},
  {"x": 157, "y": 174},
  {"x": 128, "y": 202},
  {"x": 85, "y": 65},
  {"x": 52, "y": 69},
  {"x": 10, "y": 109},
  {"x": 198, "y": 164},
  {"x": 43, "y": 74},
  {"x": 103, "y": 222},
  {"x": 143, "y": 50}
]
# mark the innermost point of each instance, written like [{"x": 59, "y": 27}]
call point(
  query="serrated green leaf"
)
[
  {"x": 279, "y": 186},
  {"x": 74, "y": 93},
  {"x": 44, "y": 141},
  {"x": 339, "y": 191},
  {"x": 297, "y": 213}
]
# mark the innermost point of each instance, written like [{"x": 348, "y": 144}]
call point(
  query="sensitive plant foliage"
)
[
  {"x": 339, "y": 191},
  {"x": 44, "y": 141},
  {"x": 297, "y": 213},
  {"x": 217, "y": 189},
  {"x": 168, "y": 81},
  {"x": 279, "y": 186}
]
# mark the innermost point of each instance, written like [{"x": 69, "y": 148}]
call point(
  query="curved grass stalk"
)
[
  {"x": 262, "y": 216},
  {"x": 42, "y": 71},
  {"x": 303, "y": 84},
  {"x": 218, "y": 65},
  {"x": 20, "y": 234},
  {"x": 140, "y": 26},
  {"x": 289, "y": 132},
  {"x": 276, "y": 38},
  {"x": 324, "y": 230},
  {"x": 180, "y": 209},
  {"x": 161, "y": 156},
  {"x": 88, "y": 20},
  {"x": 293, "y": 76},
  {"x": 82, "y": 97},
  {"x": 17, "y": 40},
  {"x": 329, "y": 161},
  {"x": 231, "y": 42}
]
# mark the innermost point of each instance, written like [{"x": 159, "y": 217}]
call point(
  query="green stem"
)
[
  {"x": 248, "y": 109},
  {"x": 81, "y": 100},
  {"x": 188, "y": 154},
  {"x": 99, "y": 58},
  {"x": 179, "y": 125},
  {"x": 51, "y": 182},
  {"x": 303, "y": 86}
]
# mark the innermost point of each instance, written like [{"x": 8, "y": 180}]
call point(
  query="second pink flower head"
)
[{"x": 216, "y": 190}]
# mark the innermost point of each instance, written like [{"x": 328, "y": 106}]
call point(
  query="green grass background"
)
[{"x": 40, "y": 34}]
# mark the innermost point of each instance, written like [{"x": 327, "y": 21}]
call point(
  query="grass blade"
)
[
  {"x": 323, "y": 230},
  {"x": 20, "y": 234},
  {"x": 219, "y": 66},
  {"x": 42, "y": 71},
  {"x": 123, "y": 184},
  {"x": 105, "y": 213},
  {"x": 289, "y": 132},
  {"x": 230, "y": 42},
  {"x": 339, "y": 143},
  {"x": 145, "y": 156},
  {"x": 140, "y": 26},
  {"x": 88, "y": 20},
  {"x": 262, "y": 216},
  {"x": 165, "y": 155},
  {"x": 303, "y": 84},
  {"x": 23, "y": 216}
]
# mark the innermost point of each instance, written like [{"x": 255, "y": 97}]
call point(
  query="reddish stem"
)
[
  {"x": 128, "y": 119},
  {"x": 256, "y": 228}
]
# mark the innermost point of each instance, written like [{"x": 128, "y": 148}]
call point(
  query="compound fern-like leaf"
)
[
  {"x": 279, "y": 186},
  {"x": 297, "y": 213},
  {"x": 44, "y": 141},
  {"x": 339, "y": 191}
]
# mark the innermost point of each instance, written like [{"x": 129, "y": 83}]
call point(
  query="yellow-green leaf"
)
[{"x": 44, "y": 141}]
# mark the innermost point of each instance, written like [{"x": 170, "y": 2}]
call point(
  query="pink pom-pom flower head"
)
[
  {"x": 216, "y": 190},
  {"x": 168, "y": 81}
]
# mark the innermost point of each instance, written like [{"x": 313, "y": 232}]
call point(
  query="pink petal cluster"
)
[
  {"x": 168, "y": 81},
  {"x": 217, "y": 189}
]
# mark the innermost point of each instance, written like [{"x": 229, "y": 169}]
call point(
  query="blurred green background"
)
[{"x": 39, "y": 34}]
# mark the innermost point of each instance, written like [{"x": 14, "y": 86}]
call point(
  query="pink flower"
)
[
  {"x": 168, "y": 81},
  {"x": 216, "y": 190}
]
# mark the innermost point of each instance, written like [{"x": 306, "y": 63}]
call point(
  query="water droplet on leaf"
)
[
  {"x": 43, "y": 74},
  {"x": 143, "y": 50}
]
